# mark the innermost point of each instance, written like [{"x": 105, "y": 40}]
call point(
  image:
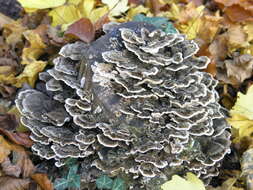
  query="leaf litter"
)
[{"x": 28, "y": 45}]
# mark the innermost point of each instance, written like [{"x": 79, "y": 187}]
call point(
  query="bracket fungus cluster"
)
[{"x": 134, "y": 102}]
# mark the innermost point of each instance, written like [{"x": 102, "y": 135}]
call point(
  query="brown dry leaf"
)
[
  {"x": 10, "y": 169},
  {"x": 227, "y": 3},
  {"x": 82, "y": 29},
  {"x": 235, "y": 71},
  {"x": 8, "y": 66},
  {"x": 24, "y": 162},
  {"x": 8, "y": 121},
  {"x": 7, "y": 90},
  {"x": 14, "y": 32},
  {"x": 156, "y": 6},
  {"x": 20, "y": 138},
  {"x": 237, "y": 13},
  {"x": 100, "y": 22},
  {"x": 211, "y": 68},
  {"x": 211, "y": 26},
  {"x": 237, "y": 38},
  {"x": 43, "y": 181},
  {"x": 12, "y": 183},
  {"x": 4, "y": 20},
  {"x": 218, "y": 48},
  {"x": 54, "y": 38}
]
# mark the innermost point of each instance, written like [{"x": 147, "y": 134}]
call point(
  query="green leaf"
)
[
  {"x": 118, "y": 184},
  {"x": 61, "y": 184},
  {"x": 70, "y": 161},
  {"x": 104, "y": 182},
  {"x": 72, "y": 171},
  {"x": 73, "y": 179},
  {"x": 159, "y": 22}
]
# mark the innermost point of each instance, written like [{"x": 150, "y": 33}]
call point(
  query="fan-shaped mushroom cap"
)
[{"x": 134, "y": 101}]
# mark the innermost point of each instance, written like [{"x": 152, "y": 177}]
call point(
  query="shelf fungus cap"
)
[{"x": 135, "y": 101}]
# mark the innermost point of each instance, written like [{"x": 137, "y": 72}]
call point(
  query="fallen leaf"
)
[
  {"x": 43, "y": 181},
  {"x": 219, "y": 48},
  {"x": 178, "y": 183},
  {"x": 41, "y": 4},
  {"x": 241, "y": 118},
  {"x": 82, "y": 29},
  {"x": 86, "y": 7},
  {"x": 8, "y": 122},
  {"x": 226, "y": 185},
  {"x": 237, "y": 38},
  {"x": 237, "y": 13},
  {"x": 117, "y": 6},
  {"x": 211, "y": 68},
  {"x": 227, "y": 3},
  {"x": 136, "y": 10},
  {"x": 10, "y": 169},
  {"x": 100, "y": 22},
  {"x": 97, "y": 13},
  {"x": 30, "y": 73},
  {"x": 12, "y": 183},
  {"x": 236, "y": 70},
  {"x": 20, "y": 156},
  {"x": 20, "y": 138},
  {"x": 5, "y": 20},
  {"x": 21, "y": 159},
  {"x": 248, "y": 29},
  {"x": 36, "y": 48},
  {"x": 14, "y": 32},
  {"x": 65, "y": 14}
]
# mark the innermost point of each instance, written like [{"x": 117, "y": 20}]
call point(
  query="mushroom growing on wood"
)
[{"x": 140, "y": 106}]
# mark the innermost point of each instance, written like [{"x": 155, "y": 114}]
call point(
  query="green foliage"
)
[
  {"x": 72, "y": 179},
  {"x": 118, "y": 184},
  {"x": 105, "y": 182},
  {"x": 159, "y": 22}
]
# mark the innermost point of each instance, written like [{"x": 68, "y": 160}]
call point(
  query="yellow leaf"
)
[
  {"x": 242, "y": 116},
  {"x": 36, "y": 48},
  {"x": 248, "y": 28},
  {"x": 98, "y": 13},
  {"x": 30, "y": 73},
  {"x": 174, "y": 12},
  {"x": 178, "y": 183},
  {"x": 66, "y": 14},
  {"x": 117, "y": 6},
  {"x": 244, "y": 104},
  {"x": 137, "y": 10},
  {"x": 41, "y": 4},
  {"x": 191, "y": 29},
  {"x": 86, "y": 7},
  {"x": 6, "y": 147},
  {"x": 75, "y": 2}
]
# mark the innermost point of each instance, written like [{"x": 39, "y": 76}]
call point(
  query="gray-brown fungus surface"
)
[{"x": 133, "y": 103}]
